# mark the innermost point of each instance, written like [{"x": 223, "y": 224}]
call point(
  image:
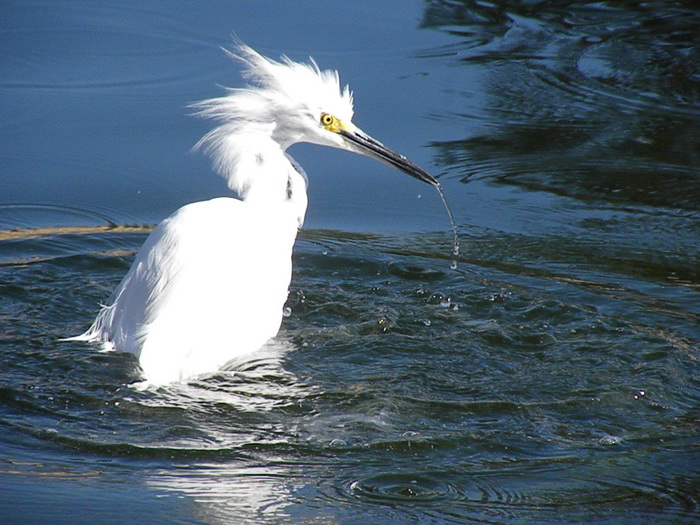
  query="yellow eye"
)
[{"x": 327, "y": 120}]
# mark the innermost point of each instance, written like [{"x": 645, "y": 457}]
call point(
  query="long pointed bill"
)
[
  {"x": 359, "y": 142},
  {"x": 372, "y": 148}
]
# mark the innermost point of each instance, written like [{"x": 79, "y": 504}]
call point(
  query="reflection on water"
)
[
  {"x": 553, "y": 377},
  {"x": 592, "y": 100},
  {"x": 230, "y": 493}
]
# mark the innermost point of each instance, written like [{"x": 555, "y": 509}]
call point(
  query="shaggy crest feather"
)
[{"x": 277, "y": 103}]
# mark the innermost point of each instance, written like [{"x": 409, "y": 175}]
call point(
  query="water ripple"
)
[
  {"x": 402, "y": 488},
  {"x": 581, "y": 99},
  {"x": 552, "y": 377},
  {"x": 521, "y": 493},
  {"x": 89, "y": 49}
]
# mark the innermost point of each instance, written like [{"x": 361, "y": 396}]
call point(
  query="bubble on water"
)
[
  {"x": 287, "y": 311},
  {"x": 639, "y": 394}
]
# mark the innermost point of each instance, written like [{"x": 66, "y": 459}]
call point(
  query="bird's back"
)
[{"x": 208, "y": 285}]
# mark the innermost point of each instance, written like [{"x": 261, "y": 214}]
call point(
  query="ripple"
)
[
  {"x": 87, "y": 51},
  {"x": 36, "y": 216},
  {"x": 530, "y": 491},
  {"x": 585, "y": 101},
  {"x": 402, "y": 487},
  {"x": 414, "y": 272},
  {"x": 36, "y": 233}
]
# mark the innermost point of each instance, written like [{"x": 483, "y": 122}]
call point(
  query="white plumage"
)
[{"x": 211, "y": 280}]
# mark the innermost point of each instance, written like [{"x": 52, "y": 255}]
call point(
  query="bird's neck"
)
[{"x": 261, "y": 173}]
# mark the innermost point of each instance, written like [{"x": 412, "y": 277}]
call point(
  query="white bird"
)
[{"x": 211, "y": 280}]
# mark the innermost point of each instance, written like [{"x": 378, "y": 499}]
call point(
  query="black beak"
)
[{"x": 366, "y": 145}]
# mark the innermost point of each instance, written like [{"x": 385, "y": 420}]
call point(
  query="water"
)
[{"x": 552, "y": 377}]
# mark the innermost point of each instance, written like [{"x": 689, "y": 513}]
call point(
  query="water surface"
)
[{"x": 553, "y": 377}]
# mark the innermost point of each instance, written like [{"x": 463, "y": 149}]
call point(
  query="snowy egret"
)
[{"x": 211, "y": 280}]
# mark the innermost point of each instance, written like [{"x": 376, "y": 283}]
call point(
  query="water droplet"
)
[
  {"x": 426, "y": 322},
  {"x": 445, "y": 302},
  {"x": 610, "y": 440},
  {"x": 287, "y": 311},
  {"x": 453, "y": 264}
]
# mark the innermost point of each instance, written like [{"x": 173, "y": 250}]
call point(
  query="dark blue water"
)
[{"x": 553, "y": 377}]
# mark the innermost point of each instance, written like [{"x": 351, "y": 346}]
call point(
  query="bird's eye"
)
[
  {"x": 327, "y": 119},
  {"x": 331, "y": 123}
]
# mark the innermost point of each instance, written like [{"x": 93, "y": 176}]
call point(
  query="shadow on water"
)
[{"x": 588, "y": 99}]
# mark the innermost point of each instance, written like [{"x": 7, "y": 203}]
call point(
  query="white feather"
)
[{"x": 211, "y": 280}]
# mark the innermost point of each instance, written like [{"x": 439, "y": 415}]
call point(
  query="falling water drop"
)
[{"x": 455, "y": 237}]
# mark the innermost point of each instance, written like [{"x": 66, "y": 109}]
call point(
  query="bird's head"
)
[{"x": 293, "y": 102}]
